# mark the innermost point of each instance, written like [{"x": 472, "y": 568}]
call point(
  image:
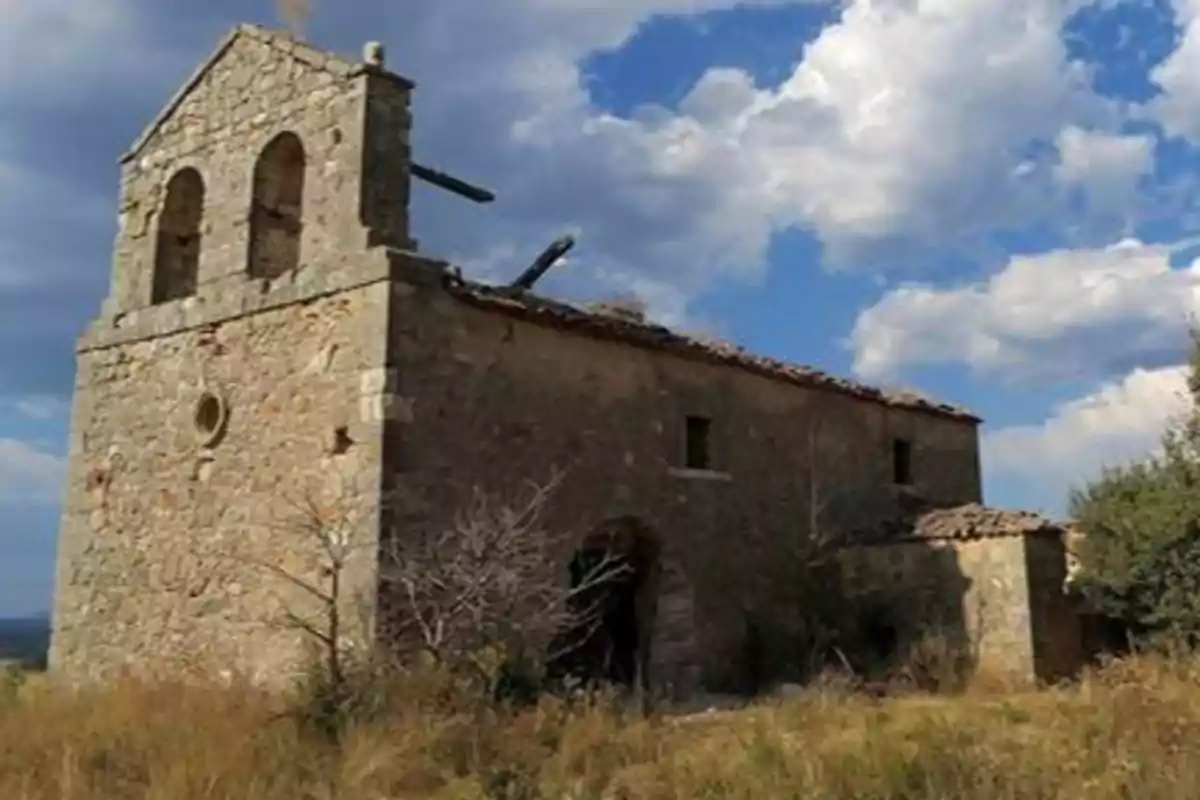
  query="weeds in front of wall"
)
[{"x": 1128, "y": 729}]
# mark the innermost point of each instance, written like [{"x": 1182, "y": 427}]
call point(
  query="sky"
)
[{"x": 991, "y": 201}]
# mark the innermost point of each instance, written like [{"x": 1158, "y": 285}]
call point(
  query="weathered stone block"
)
[{"x": 378, "y": 381}]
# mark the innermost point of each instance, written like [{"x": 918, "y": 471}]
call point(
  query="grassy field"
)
[{"x": 1131, "y": 730}]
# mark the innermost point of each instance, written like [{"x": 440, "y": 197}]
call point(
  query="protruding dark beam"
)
[
  {"x": 451, "y": 184},
  {"x": 547, "y": 259}
]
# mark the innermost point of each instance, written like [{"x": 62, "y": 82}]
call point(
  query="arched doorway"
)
[{"x": 615, "y": 582}]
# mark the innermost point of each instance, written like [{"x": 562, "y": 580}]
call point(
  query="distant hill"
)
[{"x": 25, "y": 639}]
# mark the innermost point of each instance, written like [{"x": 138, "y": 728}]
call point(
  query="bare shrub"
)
[
  {"x": 935, "y": 662},
  {"x": 324, "y": 608},
  {"x": 1130, "y": 729},
  {"x": 796, "y": 615},
  {"x": 491, "y": 591},
  {"x": 484, "y": 601}
]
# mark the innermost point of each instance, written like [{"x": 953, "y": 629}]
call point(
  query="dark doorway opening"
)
[
  {"x": 615, "y": 575},
  {"x": 881, "y": 641}
]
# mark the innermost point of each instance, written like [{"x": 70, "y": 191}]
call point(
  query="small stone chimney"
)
[{"x": 373, "y": 54}]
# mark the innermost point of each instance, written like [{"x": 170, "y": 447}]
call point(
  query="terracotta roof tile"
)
[{"x": 965, "y": 522}]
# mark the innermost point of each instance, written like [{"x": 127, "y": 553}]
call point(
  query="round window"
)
[{"x": 210, "y": 418}]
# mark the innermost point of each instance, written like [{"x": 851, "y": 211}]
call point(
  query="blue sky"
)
[{"x": 992, "y": 201}]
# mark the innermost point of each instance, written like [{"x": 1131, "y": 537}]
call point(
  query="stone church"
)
[{"x": 271, "y": 324}]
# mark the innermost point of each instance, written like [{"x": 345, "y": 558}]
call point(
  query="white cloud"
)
[
  {"x": 1178, "y": 76},
  {"x": 28, "y": 474},
  {"x": 40, "y": 407},
  {"x": 1120, "y": 422},
  {"x": 1105, "y": 166},
  {"x": 52, "y": 54},
  {"x": 908, "y": 119},
  {"x": 1072, "y": 312},
  {"x": 57, "y": 199},
  {"x": 905, "y": 120},
  {"x": 57, "y": 47}
]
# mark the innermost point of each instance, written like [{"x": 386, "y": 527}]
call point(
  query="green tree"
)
[{"x": 1141, "y": 555}]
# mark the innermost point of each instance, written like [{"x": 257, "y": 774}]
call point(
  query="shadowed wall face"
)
[
  {"x": 726, "y": 467},
  {"x": 1001, "y": 597},
  {"x": 1057, "y": 624}
]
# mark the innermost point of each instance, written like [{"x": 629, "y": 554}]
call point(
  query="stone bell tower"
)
[
  {"x": 272, "y": 152},
  {"x": 236, "y": 372}
]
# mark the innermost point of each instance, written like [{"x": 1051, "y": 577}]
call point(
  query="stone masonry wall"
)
[
  {"x": 975, "y": 592},
  {"x": 488, "y": 401},
  {"x": 163, "y": 537}
]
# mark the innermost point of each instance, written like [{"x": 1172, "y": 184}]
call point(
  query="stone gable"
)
[
  {"x": 257, "y": 87},
  {"x": 229, "y": 71}
]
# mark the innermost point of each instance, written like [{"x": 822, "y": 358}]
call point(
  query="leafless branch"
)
[
  {"x": 328, "y": 521},
  {"x": 496, "y": 579}
]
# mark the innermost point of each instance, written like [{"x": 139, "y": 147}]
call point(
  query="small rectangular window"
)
[
  {"x": 902, "y": 462},
  {"x": 698, "y": 454}
]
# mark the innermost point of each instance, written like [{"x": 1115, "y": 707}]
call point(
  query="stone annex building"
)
[{"x": 272, "y": 324}]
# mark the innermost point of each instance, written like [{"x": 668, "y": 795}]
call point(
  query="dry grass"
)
[{"x": 1130, "y": 730}]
